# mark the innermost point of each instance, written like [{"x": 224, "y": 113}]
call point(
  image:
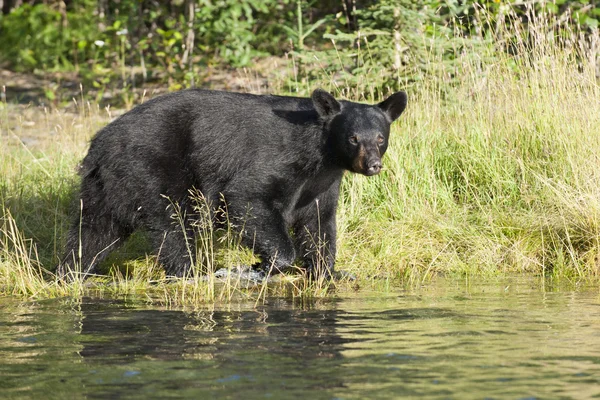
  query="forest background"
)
[{"x": 367, "y": 45}]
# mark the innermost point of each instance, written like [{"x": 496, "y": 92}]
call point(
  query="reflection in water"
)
[
  {"x": 175, "y": 335},
  {"x": 444, "y": 341},
  {"x": 273, "y": 346}
]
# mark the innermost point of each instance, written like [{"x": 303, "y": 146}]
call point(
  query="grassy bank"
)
[{"x": 493, "y": 169}]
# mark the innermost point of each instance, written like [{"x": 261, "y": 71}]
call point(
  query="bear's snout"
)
[
  {"x": 367, "y": 161},
  {"x": 373, "y": 167}
]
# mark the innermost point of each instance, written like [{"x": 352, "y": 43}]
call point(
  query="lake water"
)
[{"x": 511, "y": 339}]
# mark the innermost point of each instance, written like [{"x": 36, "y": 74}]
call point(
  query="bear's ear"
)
[
  {"x": 394, "y": 105},
  {"x": 325, "y": 104}
]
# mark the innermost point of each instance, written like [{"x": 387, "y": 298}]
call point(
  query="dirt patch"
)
[
  {"x": 40, "y": 109},
  {"x": 65, "y": 90}
]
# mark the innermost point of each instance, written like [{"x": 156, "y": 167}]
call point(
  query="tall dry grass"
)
[{"x": 494, "y": 168}]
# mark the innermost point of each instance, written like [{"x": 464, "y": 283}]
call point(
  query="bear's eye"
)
[
  {"x": 353, "y": 139},
  {"x": 380, "y": 139}
]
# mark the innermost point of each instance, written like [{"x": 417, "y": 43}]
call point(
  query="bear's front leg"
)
[
  {"x": 266, "y": 234},
  {"x": 315, "y": 236}
]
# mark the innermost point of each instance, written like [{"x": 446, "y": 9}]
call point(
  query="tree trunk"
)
[
  {"x": 189, "y": 40},
  {"x": 102, "y": 9},
  {"x": 397, "y": 43}
]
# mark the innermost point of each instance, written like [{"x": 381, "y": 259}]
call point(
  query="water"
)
[{"x": 503, "y": 340}]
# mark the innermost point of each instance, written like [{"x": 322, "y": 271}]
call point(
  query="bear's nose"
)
[{"x": 373, "y": 167}]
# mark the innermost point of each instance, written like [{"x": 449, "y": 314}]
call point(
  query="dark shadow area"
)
[
  {"x": 41, "y": 214},
  {"x": 129, "y": 333},
  {"x": 271, "y": 348},
  {"x": 44, "y": 214}
]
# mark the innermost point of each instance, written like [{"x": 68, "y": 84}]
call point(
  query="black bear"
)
[{"x": 274, "y": 161}]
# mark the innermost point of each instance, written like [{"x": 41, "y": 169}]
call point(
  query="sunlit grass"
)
[{"x": 494, "y": 169}]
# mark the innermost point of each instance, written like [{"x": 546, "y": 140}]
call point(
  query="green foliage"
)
[
  {"x": 226, "y": 29},
  {"x": 392, "y": 45},
  {"x": 392, "y": 42},
  {"x": 300, "y": 32},
  {"x": 32, "y": 37}
]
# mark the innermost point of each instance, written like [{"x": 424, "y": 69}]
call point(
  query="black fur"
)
[{"x": 276, "y": 161}]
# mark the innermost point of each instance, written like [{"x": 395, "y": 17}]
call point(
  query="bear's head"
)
[{"x": 358, "y": 133}]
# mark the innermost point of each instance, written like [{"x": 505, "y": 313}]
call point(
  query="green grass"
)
[{"x": 493, "y": 169}]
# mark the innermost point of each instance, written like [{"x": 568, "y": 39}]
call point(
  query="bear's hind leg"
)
[
  {"x": 175, "y": 250},
  {"x": 88, "y": 243},
  {"x": 267, "y": 236},
  {"x": 174, "y": 239}
]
